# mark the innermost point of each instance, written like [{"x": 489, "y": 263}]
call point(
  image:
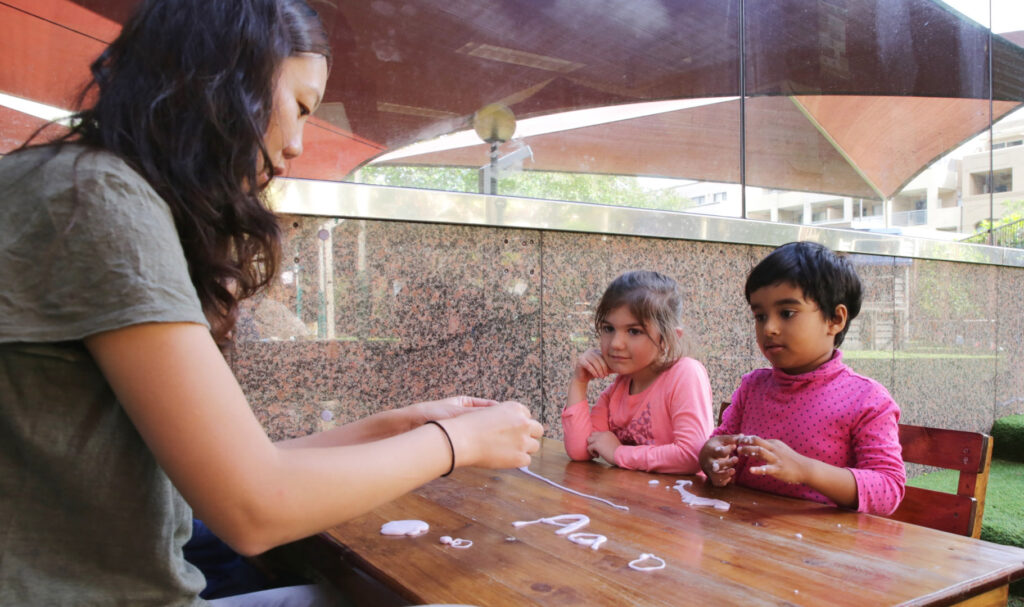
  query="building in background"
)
[{"x": 948, "y": 200}]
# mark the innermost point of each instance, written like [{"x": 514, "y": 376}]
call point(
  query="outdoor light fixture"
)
[{"x": 495, "y": 124}]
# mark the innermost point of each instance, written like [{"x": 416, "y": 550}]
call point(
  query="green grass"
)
[{"x": 1001, "y": 522}]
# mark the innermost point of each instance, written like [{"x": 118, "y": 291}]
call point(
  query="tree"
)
[
  {"x": 1008, "y": 230},
  {"x": 619, "y": 190},
  {"x": 1014, "y": 213}
]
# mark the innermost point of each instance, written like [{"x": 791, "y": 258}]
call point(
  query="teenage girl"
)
[
  {"x": 125, "y": 248},
  {"x": 809, "y": 427},
  {"x": 657, "y": 413}
]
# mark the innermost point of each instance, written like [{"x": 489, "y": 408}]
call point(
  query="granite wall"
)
[{"x": 370, "y": 315}]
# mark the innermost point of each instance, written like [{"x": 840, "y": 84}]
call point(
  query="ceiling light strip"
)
[{"x": 34, "y": 108}]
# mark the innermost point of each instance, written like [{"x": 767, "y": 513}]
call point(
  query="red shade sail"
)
[{"x": 852, "y": 98}]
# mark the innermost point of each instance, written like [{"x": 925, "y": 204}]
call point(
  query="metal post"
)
[{"x": 494, "y": 168}]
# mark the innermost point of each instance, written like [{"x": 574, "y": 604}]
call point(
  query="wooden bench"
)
[{"x": 970, "y": 453}]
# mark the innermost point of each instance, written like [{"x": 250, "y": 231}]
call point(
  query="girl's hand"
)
[
  {"x": 603, "y": 444},
  {"x": 446, "y": 408},
  {"x": 718, "y": 459},
  {"x": 772, "y": 457},
  {"x": 590, "y": 365},
  {"x": 499, "y": 436}
]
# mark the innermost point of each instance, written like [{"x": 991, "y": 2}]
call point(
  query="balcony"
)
[{"x": 910, "y": 218}]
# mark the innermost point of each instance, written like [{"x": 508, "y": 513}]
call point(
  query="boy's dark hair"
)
[
  {"x": 825, "y": 277},
  {"x": 652, "y": 298}
]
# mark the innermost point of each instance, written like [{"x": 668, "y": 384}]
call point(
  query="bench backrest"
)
[{"x": 970, "y": 453}]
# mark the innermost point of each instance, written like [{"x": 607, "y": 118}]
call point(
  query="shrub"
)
[{"x": 1008, "y": 434}]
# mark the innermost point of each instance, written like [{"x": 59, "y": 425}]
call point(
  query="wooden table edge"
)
[{"x": 352, "y": 559}]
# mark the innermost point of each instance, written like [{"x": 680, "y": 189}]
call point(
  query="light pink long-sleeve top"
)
[
  {"x": 831, "y": 414},
  {"x": 662, "y": 429}
]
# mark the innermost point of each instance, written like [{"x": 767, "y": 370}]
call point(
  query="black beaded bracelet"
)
[{"x": 450, "y": 446}]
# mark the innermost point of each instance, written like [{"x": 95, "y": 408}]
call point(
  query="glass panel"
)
[
  {"x": 617, "y": 102},
  {"x": 1003, "y": 193},
  {"x": 859, "y": 113},
  {"x": 876, "y": 101}
]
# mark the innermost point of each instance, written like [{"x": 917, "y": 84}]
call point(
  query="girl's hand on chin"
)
[{"x": 590, "y": 365}]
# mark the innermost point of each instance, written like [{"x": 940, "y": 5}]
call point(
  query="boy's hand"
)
[
  {"x": 603, "y": 444},
  {"x": 772, "y": 457},
  {"x": 718, "y": 459},
  {"x": 590, "y": 365}
]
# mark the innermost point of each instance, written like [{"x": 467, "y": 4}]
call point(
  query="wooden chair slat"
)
[
  {"x": 950, "y": 449},
  {"x": 969, "y": 453},
  {"x": 937, "y": 510}
]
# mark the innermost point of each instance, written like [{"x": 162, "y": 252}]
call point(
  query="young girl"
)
[
  {"x": 124, "y": 249},
  {"x": 657, "y": 413},
  {"x": 809, "y": 427}
]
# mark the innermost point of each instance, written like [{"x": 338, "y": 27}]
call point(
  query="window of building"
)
[
  {"x": 992, "y": 183},
  {"x": 1002, "y": 180}
]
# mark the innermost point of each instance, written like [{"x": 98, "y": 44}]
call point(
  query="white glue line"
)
[
  {"x": 593, "y": 497},
  {"x": 635, "y": 564},
  {"x": 456, "y": 542},
  {"x": 594, "y": 540},
  {"x": 575, "y": 522},
  {"x": 696, "y": 500}
]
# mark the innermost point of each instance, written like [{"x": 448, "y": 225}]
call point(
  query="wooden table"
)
[{"x": 765, "y": 550}]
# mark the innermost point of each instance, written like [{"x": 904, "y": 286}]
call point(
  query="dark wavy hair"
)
[
  {"x": 184, "y": 95},
  {"x": 652, "y": 298},
  {"x": 825, "y": 277}
]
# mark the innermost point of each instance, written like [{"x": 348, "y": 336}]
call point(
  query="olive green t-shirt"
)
[{"x": 87, "y": 516}]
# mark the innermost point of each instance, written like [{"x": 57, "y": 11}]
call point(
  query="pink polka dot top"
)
[{"x": 831, "y": 414}]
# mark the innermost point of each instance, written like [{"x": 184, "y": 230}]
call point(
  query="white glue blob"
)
[
  {"x": 411, "y": 528},
  {"x": 635, "y": 564},
  {"x": 457, "y": 542},
  {"x": 594, "y": 540},
  {"x": 593, "y": 497},
  {"x": 575, "y": 521},
  {"x": 696, "y": 500},
  {"x": 653, "y": 482}
]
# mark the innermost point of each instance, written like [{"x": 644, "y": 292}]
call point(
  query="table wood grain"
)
[{"x": 765, "y": 550}]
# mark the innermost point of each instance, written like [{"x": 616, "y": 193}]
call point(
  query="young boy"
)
[{"x": 809, "y": 427}]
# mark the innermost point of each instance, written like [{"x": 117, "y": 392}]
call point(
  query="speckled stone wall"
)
[
  {"x": 1009, "y": 374},
  {"x": 370, "y": 315}
]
